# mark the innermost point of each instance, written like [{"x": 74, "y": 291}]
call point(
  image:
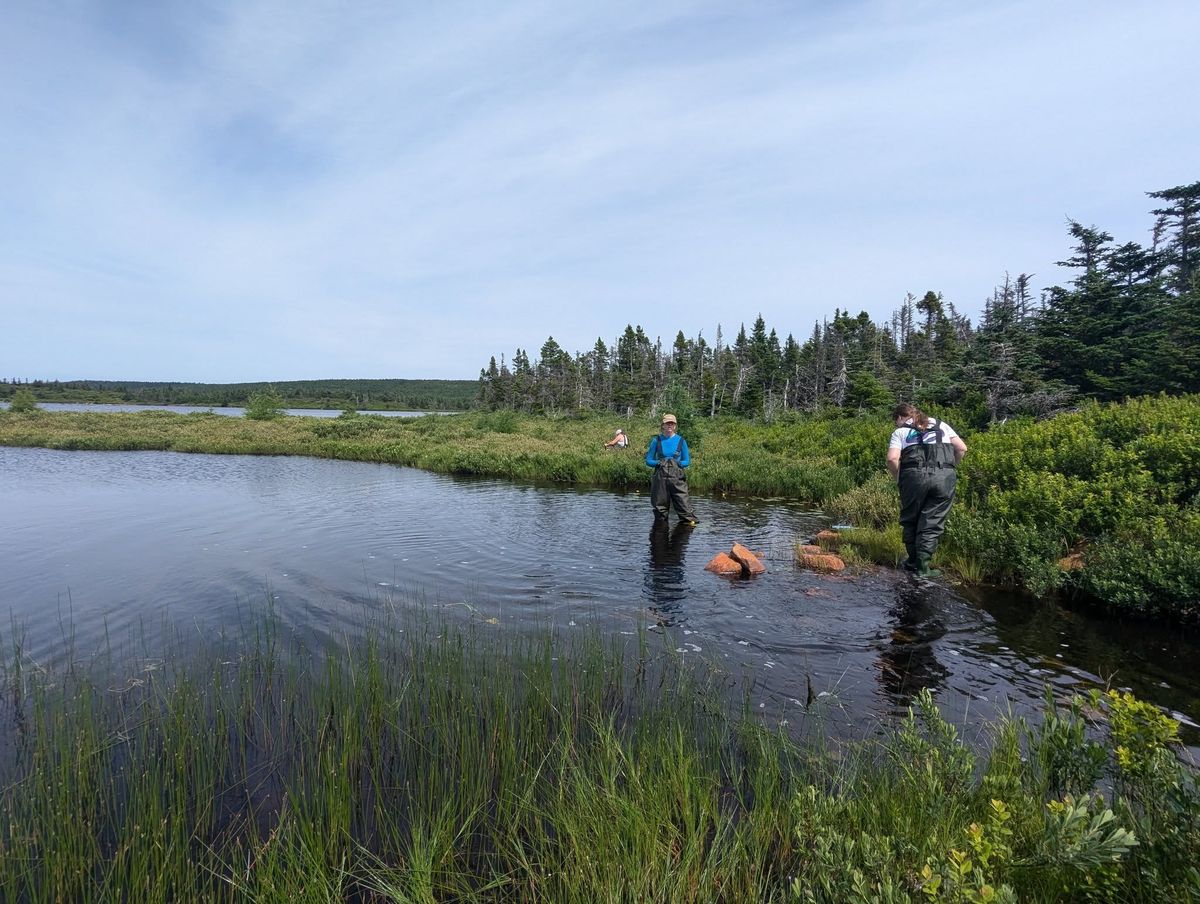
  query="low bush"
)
[
  {"x": 22, "y": 402},
  {"x": 265, "y": 405}
]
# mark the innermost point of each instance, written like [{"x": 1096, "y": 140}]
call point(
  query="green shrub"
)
[
  {"x": 503, "y": 421},
  {"x": 1151, "y": 565},
  {"x": 1065, "y": 758},
  {"x": 265, "y": 405},
  {"x": 1022, "y": 554},
  {"x": 22, "y": 402}
]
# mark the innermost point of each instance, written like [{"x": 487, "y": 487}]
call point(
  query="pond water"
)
[
  {"x": 101, "y": 546},
  {"x": 229, "y": 411}
]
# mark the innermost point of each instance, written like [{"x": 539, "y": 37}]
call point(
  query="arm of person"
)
[
  {"x": 685, "y": 457},
  {"x": 893, "y": 463},
  {"x": 960, "y": 450},
  {"x": 651, "y": 461}
]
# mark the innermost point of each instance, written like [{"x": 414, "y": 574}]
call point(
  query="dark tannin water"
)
[{"x": 107, "y": 548}]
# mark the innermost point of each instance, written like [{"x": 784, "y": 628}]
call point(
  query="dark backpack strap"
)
[{"x": 934, "y": 427}]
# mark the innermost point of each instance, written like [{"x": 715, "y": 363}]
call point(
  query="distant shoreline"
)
[{"x": 331, "y": 394}]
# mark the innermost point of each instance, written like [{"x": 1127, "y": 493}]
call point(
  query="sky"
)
[{"x": 238, "y": 190}]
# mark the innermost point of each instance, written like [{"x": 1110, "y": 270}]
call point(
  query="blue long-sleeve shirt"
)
[{"x": 676, "y": 447}]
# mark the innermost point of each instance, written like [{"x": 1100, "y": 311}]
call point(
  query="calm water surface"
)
[{"x": 99, "y": 544}]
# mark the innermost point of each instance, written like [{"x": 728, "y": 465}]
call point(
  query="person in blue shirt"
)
[{"x": 668, "y": 456}]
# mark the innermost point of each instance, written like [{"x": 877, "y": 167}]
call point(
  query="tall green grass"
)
[{"x": 439, "y": 763}]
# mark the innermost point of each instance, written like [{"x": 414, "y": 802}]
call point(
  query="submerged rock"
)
[
  {"x": 811, "y": 550},
  {"x": 828, "y": 539},
  {"x": 826, "y": 564}
]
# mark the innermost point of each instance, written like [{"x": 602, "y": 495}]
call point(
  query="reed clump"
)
[{"x": 437, "y": 763}]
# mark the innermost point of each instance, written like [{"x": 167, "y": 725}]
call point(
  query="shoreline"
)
[{"x": 1042, "y": 507}]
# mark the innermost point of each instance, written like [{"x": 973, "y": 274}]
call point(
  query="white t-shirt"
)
[
  {"x": 621, "y": 440},
  {"x": 903, "y": 437}
]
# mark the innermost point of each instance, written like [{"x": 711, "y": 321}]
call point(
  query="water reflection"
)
[
  {"x": 666, "y": 583},
  {"x": 331, "y": 545},
  {"x": 907, "y": 662}
]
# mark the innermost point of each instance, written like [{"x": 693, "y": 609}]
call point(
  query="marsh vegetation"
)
[{"x": 427, "y": 762}]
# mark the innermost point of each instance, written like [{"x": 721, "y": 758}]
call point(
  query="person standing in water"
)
[
  {"x": 923, "y": 456},
  {"x": 668, "y": 455}
]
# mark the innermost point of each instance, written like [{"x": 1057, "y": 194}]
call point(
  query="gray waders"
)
[
  {"x": 669, "y": 487},
  {"x": 927, "y": 481}
]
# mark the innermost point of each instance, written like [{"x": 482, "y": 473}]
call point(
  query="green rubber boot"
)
[{"x": 924, "y": 571}]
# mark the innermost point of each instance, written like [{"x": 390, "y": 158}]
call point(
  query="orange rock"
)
[
  {"x": 1073, "y": 562},
  {"x": 811, "y": 550},
  {"x": 828, "y": 539},
  {"x": 824, "y": 564},
  {"x": 723, "y": 564},
  {"x": 748, "y": 559}
]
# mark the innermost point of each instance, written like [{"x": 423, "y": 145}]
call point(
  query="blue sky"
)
[{"x": 246, "y": 190}]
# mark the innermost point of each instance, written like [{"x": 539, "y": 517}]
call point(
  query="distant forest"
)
[
  {"x": 1127, "y": 324},
  {"x": 384, "y": 395}
]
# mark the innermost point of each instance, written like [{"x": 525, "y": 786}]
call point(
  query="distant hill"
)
[{"x": 388, "y": 395}]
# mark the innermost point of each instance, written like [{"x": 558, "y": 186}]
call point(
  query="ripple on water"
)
[{"x": 113, "y": 542}]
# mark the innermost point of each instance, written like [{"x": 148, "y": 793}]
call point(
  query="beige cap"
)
[{"x": 669, "y": 419}]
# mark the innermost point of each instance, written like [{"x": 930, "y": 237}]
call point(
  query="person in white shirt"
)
[
  {"x": 923, "y": 456},
  {"x": 619, "y": 440}
]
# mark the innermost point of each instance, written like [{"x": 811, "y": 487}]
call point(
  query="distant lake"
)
[
  {"x": 104, "y": 547},
  {"x": 230, "y": 411}
]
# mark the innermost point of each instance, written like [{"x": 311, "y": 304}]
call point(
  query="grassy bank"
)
[
  {"x": 435, "y": 765},
  {"x": 1113, "y": 490},
  {"x": 736, "y": 456}
]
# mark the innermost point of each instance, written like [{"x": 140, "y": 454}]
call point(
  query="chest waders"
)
[
  {"x": 927, "y": 479},
  {"x": 669, "y": 486}
]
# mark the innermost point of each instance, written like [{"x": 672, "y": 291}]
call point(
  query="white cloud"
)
[{"x": 260, "y": 190}]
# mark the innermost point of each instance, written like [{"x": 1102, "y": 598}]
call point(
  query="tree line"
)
[
  {"x": 417, "y": 395},
  {"x": 1127, "y": 323}
]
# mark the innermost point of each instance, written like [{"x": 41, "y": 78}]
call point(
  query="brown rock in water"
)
[
  {"x": 824, "y": 564},
  {"x": 828, "y": 539},
  {"x": 748, "y": 559},
  {"x": 811, "y": 550},
  {"x": 721, "y": 563}
]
